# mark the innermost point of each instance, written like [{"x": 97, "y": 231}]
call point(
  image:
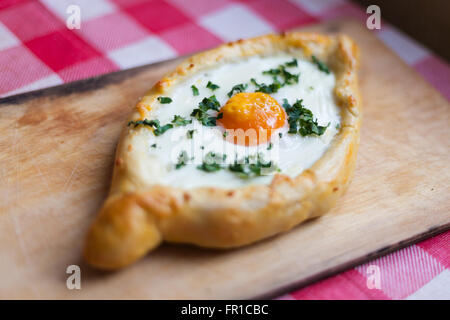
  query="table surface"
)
[{"x": 120, "y": 34}]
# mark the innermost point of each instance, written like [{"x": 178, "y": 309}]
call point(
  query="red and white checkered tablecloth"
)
[{"x": 37, "y": 50}]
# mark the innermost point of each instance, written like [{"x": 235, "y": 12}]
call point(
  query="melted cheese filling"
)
[{"x": 292, "y": 153}]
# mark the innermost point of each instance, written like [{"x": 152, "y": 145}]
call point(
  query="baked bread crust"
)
[{"x": 137, "y": 215}]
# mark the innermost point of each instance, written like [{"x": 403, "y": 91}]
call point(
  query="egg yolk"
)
[{"x": 251, "y": 117}]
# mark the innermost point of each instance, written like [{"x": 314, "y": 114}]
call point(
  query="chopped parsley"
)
[
  {"x": 183, "y": 158},
  {"x": 210, "y": 103},
  {"x": 158, "y": 129},
  {"x": 271, "y": 88},
  {"x": 164, "y": 100},
  {"x": 301, "y": 120},
  {"x": 179, "y": 121},
  {"x": 212, "y": 162},
  {"x": 280, "y": 135},
  {"x": 292, "y": 63},
  {"x": 194, "y": 90},
  {"x": 249, "y": 169},
  {"x": 287, "y": 77},
  {"x": 322, "y": 66},
  {"x": 212, "y": 86},
  {"x": 144, "y": 122},
  {"x": 201, "y": 113},
  {"x": 190, "y": 133},
  {"x": 225, "y": 134},
  {"x": 209, "y": 167},
  {"x": 153, "y": 145},
  {"x": 280, "y": 76},
  {"x": 269, "y": 147},
  {"x": 238, "y": 88}
]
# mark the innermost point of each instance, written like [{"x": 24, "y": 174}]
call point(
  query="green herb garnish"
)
[
  {"x": 164, "y": 100},
  {"x": 157, "y": 128},
  {"x": 250, "y": 169},
  {"x": 190, "y": 133},
  {"x": 292, "y": 63},
  {"x": 153, "y": 145},
  {"x": 287, "y": 77},
  {"x": 212, "y": 162},
  {"x": 280, "y": 76},
  {"x": 144, "y": 122},
  {"x": 322, "y": 66},
  {"x": 301, "y": 120},
  {"x": 212, "y": 86},
  {"x": 194, "y": 90},
  {"x": 238, "y": 88},
  {"x": 201, "y": 113},
  {"x": 209, "y": 167},
  {"x": 271, "y": 88},
  {"x": 182, "y": 160},
  {"x": 179, "y": 121},
  {"x": 269, "y": 147},
  {"x": 211, "y": 103}
]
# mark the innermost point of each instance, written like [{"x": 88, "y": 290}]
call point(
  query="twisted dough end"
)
[{"x": 116, "y": 240}]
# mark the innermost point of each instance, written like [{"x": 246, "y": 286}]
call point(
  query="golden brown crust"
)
[{"x": 138, "y": 216}]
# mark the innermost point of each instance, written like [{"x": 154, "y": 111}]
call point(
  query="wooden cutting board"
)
[{"x": 57, "y": 148}]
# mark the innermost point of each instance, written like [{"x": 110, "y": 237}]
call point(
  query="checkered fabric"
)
[{"x": 37, "y": 50}]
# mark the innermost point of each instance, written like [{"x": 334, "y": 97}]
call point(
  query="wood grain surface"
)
[{"x": 57, "y": 148}]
